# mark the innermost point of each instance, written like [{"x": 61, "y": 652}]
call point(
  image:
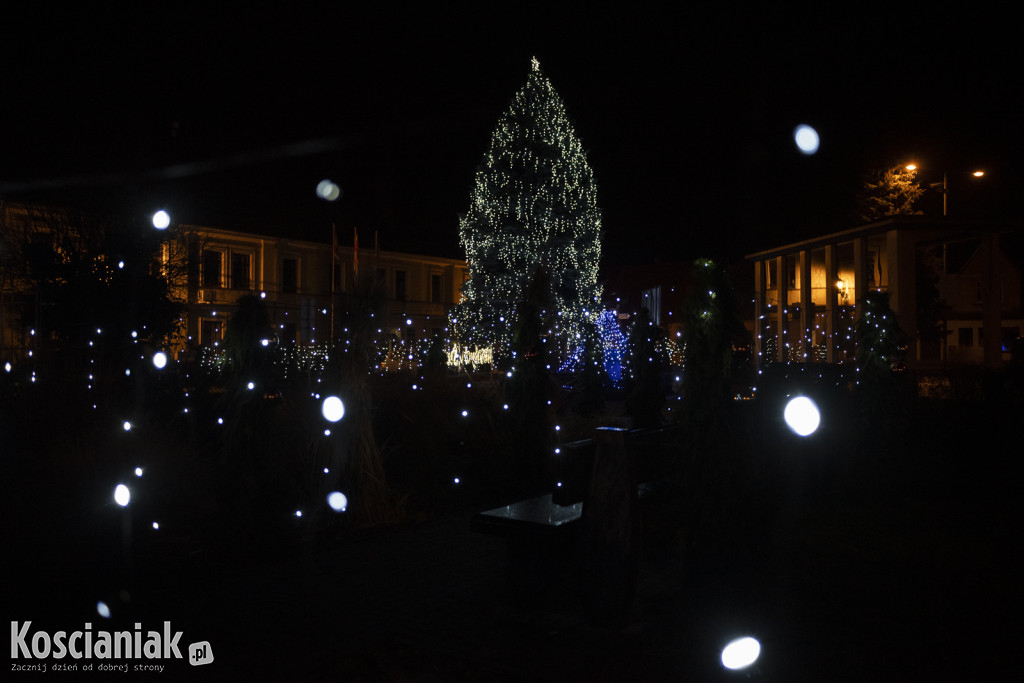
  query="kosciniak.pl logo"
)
[{"x": 86, "y": 644}]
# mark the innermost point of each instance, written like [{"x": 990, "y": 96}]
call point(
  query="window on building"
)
[
  {"x": 965, "y": 337},
  {"x": 651, "y": 300},
  {"x": 435, "y": 289},
  {"x": 211, "y": 268},
  {"x": 240, "y": 274},
  {"x": 290, "y": 275},
  {"x": 210, "y": 332},
  {"x": 400, "y": 285},
  {"x": 1010, "y": 336}
]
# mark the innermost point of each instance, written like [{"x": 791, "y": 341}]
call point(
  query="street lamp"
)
[{"x": 944, "y": 185}]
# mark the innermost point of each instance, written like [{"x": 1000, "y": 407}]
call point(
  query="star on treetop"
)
[{"x": 535, "y": 63}]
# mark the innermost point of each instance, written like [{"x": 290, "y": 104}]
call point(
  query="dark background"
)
[{"x": 229, "y": 118}]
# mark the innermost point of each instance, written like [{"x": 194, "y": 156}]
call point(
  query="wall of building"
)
[{"x": 303, "y": 284}]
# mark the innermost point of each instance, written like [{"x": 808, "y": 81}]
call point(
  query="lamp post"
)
[{"x": 945, "y": 186}]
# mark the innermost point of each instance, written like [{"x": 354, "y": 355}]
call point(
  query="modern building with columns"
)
[{"x": 954, "y": 289}]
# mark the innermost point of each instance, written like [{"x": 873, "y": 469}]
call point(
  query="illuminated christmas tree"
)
[{"x": 534, "y": 204}]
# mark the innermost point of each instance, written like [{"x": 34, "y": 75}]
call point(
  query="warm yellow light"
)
[
  {"x": 978, "y": 174},
  {"x": 911, "y": 167}
]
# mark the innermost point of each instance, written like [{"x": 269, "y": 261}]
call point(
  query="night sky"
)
[{"x": 230, "y": 119}]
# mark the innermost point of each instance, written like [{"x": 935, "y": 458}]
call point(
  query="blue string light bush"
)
[{"x": 534, "y": 203}]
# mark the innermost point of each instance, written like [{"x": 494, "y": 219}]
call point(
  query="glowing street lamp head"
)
[
  {"x": 741, "y": 653},
  {"x": 802, "y": 416},
  {"x": 161, "y": 219},
  {"x": 159, "y": 360},
  {"x": 333, "y": 409}
]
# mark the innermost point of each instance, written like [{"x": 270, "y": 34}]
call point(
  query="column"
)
[
  {"x": 806, "y": 304},
  {"x": 990, "y": 301},
  {"x": 899, "y": 249},
  {"x": 759, "y": 295},
  {"x": 831, "y": 305},
  {"x": 782, "y": 286}
]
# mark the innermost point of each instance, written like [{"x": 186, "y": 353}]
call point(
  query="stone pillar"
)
[
  {"x": 782, "y": 303},
  {"x": 831, "y": 304},
  {"x": 806, "y": 304},
  {"x": 991, "y": 301},
  {"x": 860, "y": 269},
  {"x": 899, "y": 249},
  {"x": 759, "y": 300}
]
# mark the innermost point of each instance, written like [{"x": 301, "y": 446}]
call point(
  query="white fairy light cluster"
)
[
  {"x": 534, "y": 204},
  {"x": 811, "y": 345}
]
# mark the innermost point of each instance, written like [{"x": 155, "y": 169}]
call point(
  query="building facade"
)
[
  {"x": 303, "y": 284},
  {"x": 952, "y": 285}
]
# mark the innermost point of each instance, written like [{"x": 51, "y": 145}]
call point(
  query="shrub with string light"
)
[
  {"x": 534, "y": 203},
  {"x": 878, "y": 337}
]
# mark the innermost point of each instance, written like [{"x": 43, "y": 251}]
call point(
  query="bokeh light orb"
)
[
  {"x": 102, "y": 609},
  {"x": 333, "y": 409},
  {"x": 159, "y": 360},
  {"x": 741, "y": 653},
  {"x": 337, "y": 501},
  {"x": 802, "y": 416},
  {"x": 807, "y": 140},
  {"x": 328, "y": 190},
  {"x": 161, "y": 219},
  {"x": 122, "y": 496}
]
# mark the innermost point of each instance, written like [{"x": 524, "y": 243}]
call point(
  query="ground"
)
[{"x": 898, "y": 567}]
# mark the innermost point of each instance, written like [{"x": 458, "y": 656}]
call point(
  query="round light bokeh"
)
[
  {"x": 161, "y": 219},
  {"x": 122, "y": 496},
  {"x": 741, "y": 653},
  {"x": 337, "y": 501},
  {"x": 159, "y": 360},
  {"x": 328, "y": 190},
  {"x": 333, "y": 409},
  {"x": 807, "y": 140},
  {"x": 802, "y": 416}
]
